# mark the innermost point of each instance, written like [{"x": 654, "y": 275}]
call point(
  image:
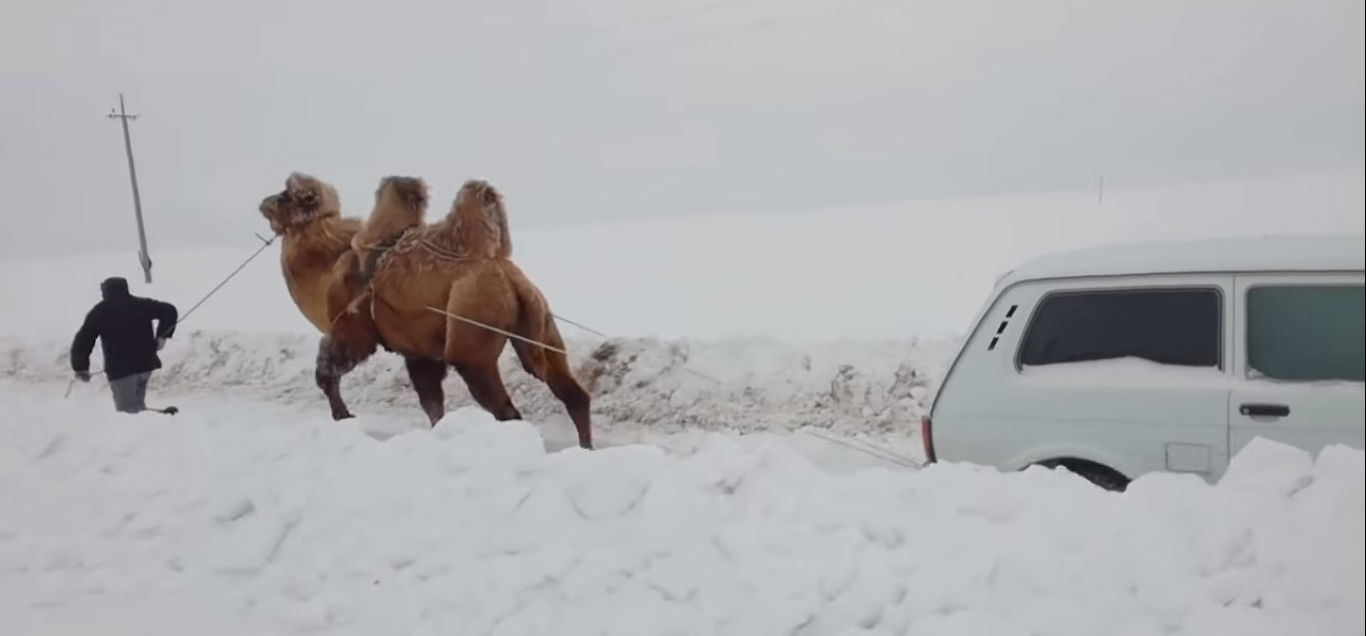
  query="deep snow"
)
[
  {"x": 250, "y": 518},
  {"x": 852, "y": 388}
]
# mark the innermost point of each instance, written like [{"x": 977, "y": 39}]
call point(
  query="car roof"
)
[{"x": 1276, "y": 253}]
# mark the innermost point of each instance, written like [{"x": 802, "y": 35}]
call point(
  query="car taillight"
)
[{"x": 927, "y": 438}]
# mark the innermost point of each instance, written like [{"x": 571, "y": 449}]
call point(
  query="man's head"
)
[{"x": 114, "y": 287}]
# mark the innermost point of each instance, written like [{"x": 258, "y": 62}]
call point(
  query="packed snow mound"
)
[
  {"x": 231, "y": 523},
  {"x": 880, "y": 387}
]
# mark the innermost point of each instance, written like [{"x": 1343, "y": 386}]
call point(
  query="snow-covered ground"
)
[
  {"x": 851, "y": 388},
  {"x": 241, "y": 517},
  {"x": 757, "y": 418}
]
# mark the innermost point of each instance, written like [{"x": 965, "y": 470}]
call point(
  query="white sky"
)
[{"x": 590, "y": 110}]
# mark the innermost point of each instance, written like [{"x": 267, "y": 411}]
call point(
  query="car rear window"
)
[
  {"x": 1306, "y": 333},
  {"x": 1167, "y": 326}
]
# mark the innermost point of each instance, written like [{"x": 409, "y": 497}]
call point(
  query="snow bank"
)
[
  {"x": 665, "y": 385},
  {"x": 233, "y": 522}
]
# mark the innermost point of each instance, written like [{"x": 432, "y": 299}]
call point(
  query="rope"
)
[
  {"x": 861, "y": 446},
  {"x": 607, "y": 337},
  {"x": 379, "y": 250},
  {"x": 870, "y": 449},
  {"x": 265, "y": 243},
  {"x": 438, "y": 250},
  {"x": 544, "y": 345},
  {"x": 497, "y": 330},
  {"x": 581, "y": 326}
]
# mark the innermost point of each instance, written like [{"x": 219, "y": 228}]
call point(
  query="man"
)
[{"x": 123, "y": 323}]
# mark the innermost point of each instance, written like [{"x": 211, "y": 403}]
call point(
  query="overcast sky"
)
[{"x": 594, "y": 110}]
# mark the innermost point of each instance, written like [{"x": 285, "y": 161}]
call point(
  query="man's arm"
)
[
  {"x": 83, "y": 343},
  {"x": 166, "y": 317}
]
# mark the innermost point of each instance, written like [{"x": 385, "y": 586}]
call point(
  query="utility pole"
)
[{"x": 143, "y": 257}]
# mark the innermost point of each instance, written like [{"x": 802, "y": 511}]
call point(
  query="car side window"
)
[
  {"x": 1167, "y": 326},
  {"x": 1306, "y": 332}
]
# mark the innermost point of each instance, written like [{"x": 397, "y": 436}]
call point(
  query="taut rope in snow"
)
[
  {"x": 500, "y": 331},
  {"x": 870, "y": 449},
  {"x": 861, "y": 446},
  {"x": 607, "y": 337},
  {"x": 581, "y": 326},
  {"x": 264, "y": 244},
  {"x": 544, "y": 345}
]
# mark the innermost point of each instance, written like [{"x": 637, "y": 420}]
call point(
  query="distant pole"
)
[
  {"x": 143, "y": 257},
  {"x": 1100, "y": 189}
]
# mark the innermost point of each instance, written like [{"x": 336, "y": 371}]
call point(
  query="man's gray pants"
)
[{"x": 130, "y": 391}]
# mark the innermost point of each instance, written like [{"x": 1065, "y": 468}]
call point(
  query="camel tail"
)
[{"x": 534, "y": 322}]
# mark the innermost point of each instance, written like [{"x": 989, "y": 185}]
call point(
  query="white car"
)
[{"x": 1118, "y": 361}]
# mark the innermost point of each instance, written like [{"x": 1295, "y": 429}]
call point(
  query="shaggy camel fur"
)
[
  {"x": 459, "y": 264},
  {"x": 315, "y": 252},
  {"x": 400, "y": 204}
]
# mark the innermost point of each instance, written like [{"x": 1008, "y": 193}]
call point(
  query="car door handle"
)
[{"x": 1264, "y": 410}]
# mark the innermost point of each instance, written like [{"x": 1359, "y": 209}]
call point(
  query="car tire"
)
[{"x": 1098, "y": 474}]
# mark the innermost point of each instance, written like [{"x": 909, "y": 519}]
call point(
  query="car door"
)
[
  {"x": 1300, "y": 358},
  {"x": 1128, "y": 372}
]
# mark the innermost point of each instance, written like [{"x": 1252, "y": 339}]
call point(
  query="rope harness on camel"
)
[
  {"x": 378, "y": 249},
  {"x": 377, "y": 252}
]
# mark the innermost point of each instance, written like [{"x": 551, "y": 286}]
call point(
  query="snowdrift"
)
[
  {"x": 666, "y": 385},
  {"x": 233, "y": 523}
]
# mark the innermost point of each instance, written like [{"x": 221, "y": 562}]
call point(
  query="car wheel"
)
[{"x": 1098, "y": 474}]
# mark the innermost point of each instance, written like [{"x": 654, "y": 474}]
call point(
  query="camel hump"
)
[
  {"x": 477, "y": 223},
  {"x": 400, "y": 205}
]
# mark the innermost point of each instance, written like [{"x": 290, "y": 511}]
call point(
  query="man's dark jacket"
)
[{"x": 123, "y": 323}]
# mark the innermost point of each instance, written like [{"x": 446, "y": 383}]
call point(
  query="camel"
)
[{"x": 378, "y": 296}]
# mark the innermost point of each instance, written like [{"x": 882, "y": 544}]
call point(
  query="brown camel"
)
[{"x": 460, "y": 265}]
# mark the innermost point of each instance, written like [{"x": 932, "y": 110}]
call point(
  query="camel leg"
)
[
  {"x": 486, "y": 387},
  {"x": 552, "y": 368},
  {"x": 332, "y": 364},
  {"x": 474, "y": 351},
  {"x": 575, "y": 399},
  {"x": 426, "y": 376},
  {"x": 352, "y": 339}
]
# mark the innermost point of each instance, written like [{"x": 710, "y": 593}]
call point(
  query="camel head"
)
[
  {"x": 408, "y": 193},
  {"x": 304, "y": 200}
]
